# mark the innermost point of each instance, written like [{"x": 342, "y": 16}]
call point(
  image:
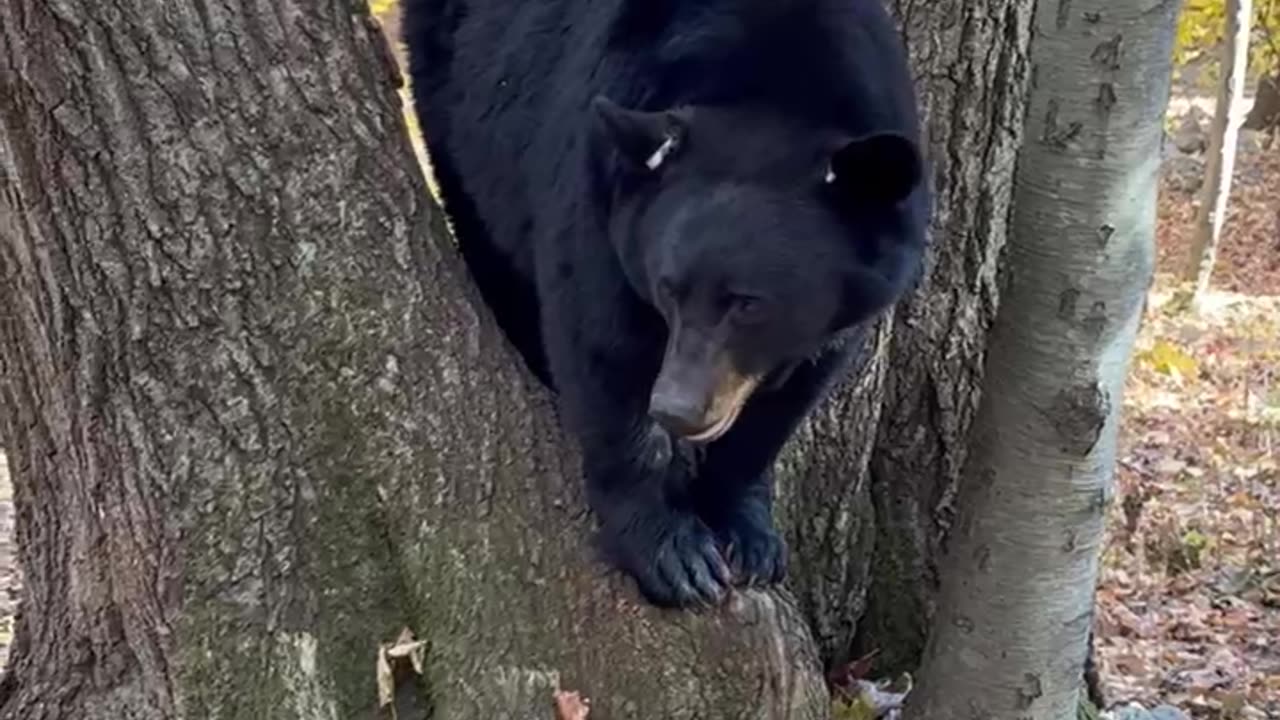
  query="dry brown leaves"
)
[{"x": 1249, "y": 254}]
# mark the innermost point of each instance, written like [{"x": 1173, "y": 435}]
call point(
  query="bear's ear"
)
[
  {"x": 881, "y": 168},
  {"x": 644, "y": 139}
]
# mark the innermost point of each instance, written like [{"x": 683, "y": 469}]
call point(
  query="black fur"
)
[{"x": 538, "y": 116}]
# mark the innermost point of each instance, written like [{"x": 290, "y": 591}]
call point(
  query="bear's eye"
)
[{"x": 746, "y": 308}]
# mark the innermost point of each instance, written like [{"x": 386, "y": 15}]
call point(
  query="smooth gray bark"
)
[
  {"x": 258, "y": 422},
  {"x": 1019, "y": 574},
  {"x": 1224, "y": 135}
]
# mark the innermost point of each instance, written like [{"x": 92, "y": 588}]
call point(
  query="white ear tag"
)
[
  {"x": 659, "y": 156},
  {"x": 831, "y": 176}
]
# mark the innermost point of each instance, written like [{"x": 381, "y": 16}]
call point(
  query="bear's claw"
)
[
  {"x": 757, "y": 555},
  {"x": 675, "y": 561}
]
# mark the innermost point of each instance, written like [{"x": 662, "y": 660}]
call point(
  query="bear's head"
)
[{"x": 758, "y": 239}]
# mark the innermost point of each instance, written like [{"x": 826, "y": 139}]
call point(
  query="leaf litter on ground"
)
[{"x": 1189, "y": 598}]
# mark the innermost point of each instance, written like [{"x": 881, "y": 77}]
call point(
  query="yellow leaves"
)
[
  {"x": 857, "y": 708},
  {"x": 1168, "y": 359},
  {"x": 1196, "y": 542},
  {"x": 1201, "y": 25},
  {"x": 1199, "y": 28}
]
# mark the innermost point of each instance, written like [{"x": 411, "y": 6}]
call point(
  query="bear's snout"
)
[{"x": 679, "y": 412}]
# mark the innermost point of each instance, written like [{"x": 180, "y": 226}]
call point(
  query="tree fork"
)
[{"x": 259, "y": 422}]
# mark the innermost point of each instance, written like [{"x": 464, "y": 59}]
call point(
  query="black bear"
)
[{"x": 682, "y": 212}]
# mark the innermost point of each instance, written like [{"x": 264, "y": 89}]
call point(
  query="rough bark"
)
[
  {"x": 1224, "y": 134},
  {"x": 972, "y": 64},
  {"x": 258, "y": 421},
  {"x": 824, "y": 504},
  {"x": 1019, "y": 574}
]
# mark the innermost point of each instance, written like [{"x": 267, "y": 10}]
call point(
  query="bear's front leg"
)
[
  {"x": 648, "y": 526},
  {"x": 734, "y": 487},
  {"x": 603, "y": 360}
]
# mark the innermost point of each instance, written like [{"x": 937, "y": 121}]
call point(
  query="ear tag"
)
[
  {"x": 659, "y": 156},
  {"x": 830, "y": 177}
]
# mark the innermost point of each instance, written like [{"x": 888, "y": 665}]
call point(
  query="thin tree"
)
[
  {"x": 1224, "y": 133},
  {"x": 1010, "y": 639}
]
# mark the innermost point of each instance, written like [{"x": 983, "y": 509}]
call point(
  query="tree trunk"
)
[
  {"x": 1264, "y": 114},
  {"x": 972, "y": 62},
  {"x": 258, "y": 422},
  {"x": 1019, "y": 573},
  {"x": 1224, "y": 133}
]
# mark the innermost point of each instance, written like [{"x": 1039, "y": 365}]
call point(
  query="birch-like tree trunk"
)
[
  {"x": 1224, "y": 134},
  {"x": 1019, "y": 574}
]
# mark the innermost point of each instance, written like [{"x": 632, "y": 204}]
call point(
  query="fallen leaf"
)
[{"x": 571, "y": 706}]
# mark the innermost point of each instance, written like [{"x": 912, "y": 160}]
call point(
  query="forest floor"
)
[{"x": 1189, "y": 600}]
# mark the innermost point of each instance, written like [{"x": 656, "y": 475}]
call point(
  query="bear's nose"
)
[{"x": 679, "y": 413}]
